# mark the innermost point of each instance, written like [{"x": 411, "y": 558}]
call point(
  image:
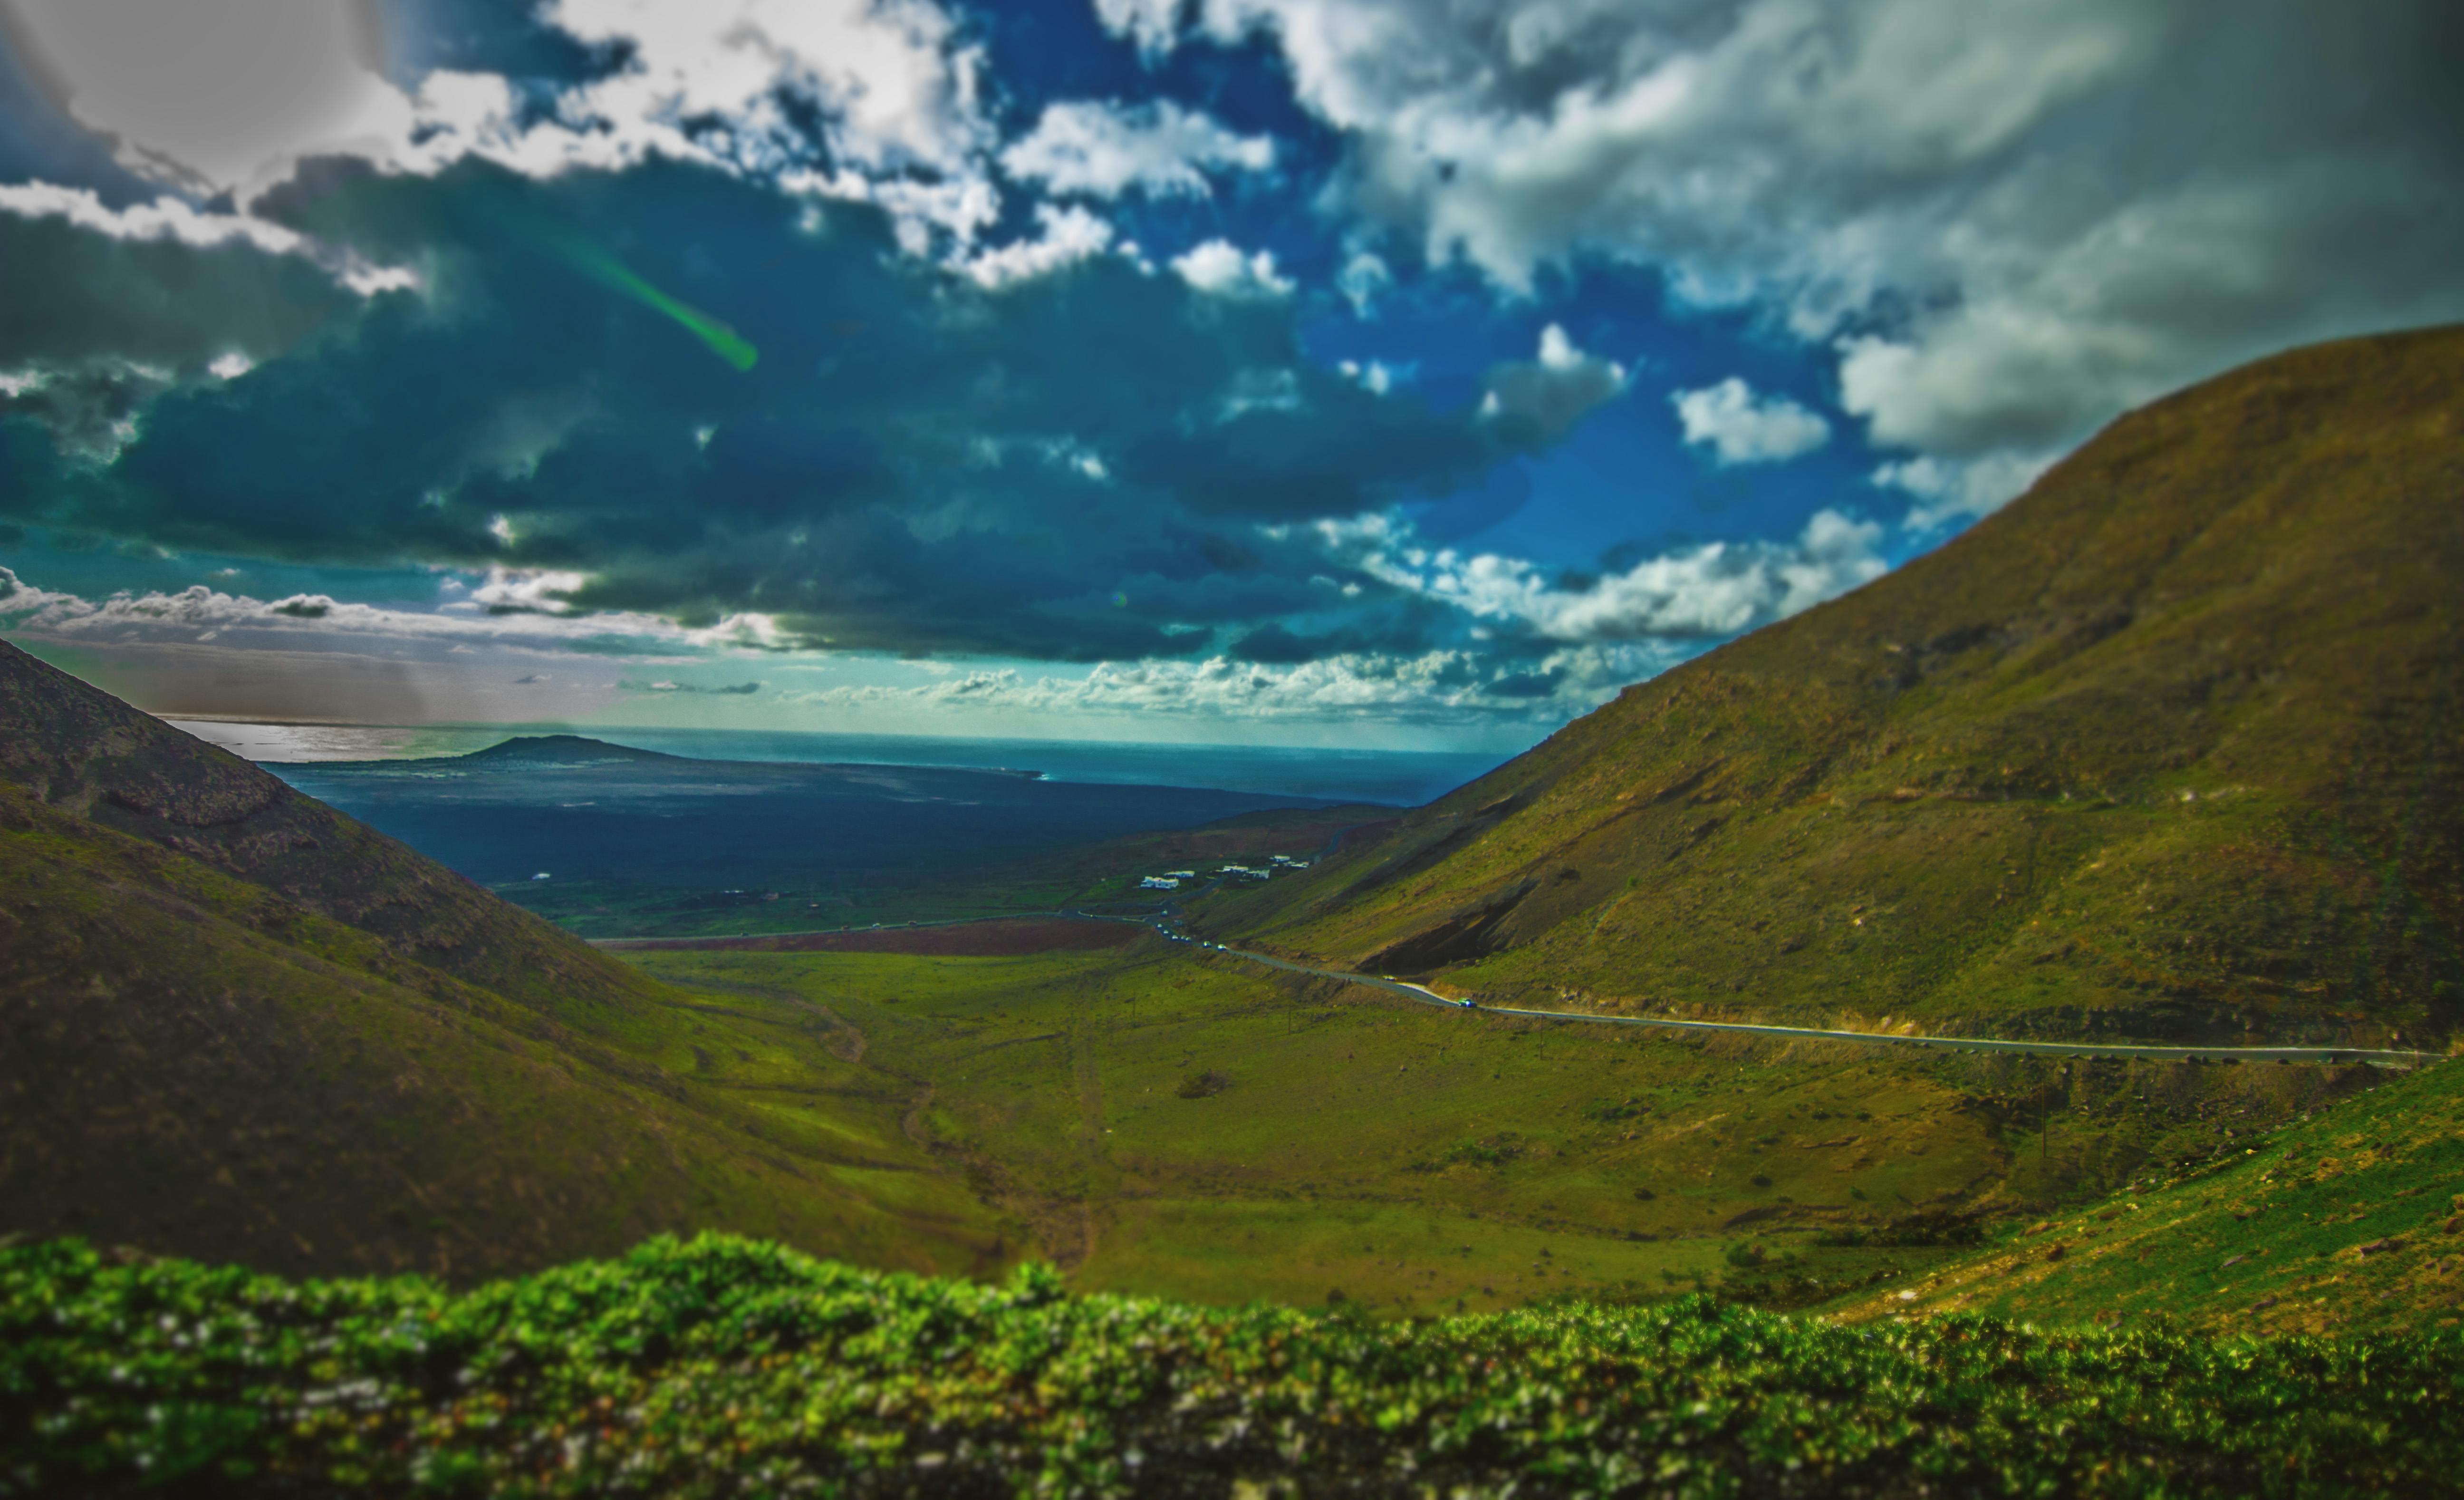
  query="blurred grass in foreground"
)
[{"x": 724, "y": 1366}]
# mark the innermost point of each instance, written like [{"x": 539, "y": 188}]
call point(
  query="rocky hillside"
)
[{"x": 2171, "y": 746}]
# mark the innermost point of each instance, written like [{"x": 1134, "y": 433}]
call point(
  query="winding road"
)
[
  {"x": 2376, "y": 1057},
  {"x": 2379, "y": 1057}
]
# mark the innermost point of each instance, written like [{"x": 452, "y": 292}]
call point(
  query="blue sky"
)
[{"x": 1293, "y": 371}]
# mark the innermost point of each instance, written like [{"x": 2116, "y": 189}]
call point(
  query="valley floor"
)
[{"x": 1164, "y": 1120}]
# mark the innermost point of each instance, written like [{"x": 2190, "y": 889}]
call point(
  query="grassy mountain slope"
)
[
  {"x": 235, "y": 1025},
  {"x": 2168, "y": 747},
  {"x": 79, "y": 750},
  {"x": 2348, "y": 1219}
]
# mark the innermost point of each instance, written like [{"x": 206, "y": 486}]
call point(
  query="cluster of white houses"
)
[{"x": 1171, "y": 879}]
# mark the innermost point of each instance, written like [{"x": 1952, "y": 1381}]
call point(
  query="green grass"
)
[
  {"x": 2271, "y": 1235},
  {"x": 1418, "y": 1161},
  {"x": 196, "y": 1063},
  {"x": 728, "y": 1367}
]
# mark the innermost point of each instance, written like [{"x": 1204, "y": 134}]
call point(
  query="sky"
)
[{"x": 1402, "y": 373}]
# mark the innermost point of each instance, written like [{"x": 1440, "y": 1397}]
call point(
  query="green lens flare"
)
[{"x": 610, "y": 271}]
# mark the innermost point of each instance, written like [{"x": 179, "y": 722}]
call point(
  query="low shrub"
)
[
  {"x": 1203, "y": 1085},
  {"x": 722, "y": 1367},
  {"x": 1926, "y": 1226}
]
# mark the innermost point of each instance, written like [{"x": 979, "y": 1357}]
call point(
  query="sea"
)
[{"x": 1396, "y": 778}]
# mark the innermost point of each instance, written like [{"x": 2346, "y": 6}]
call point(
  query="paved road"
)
[{"x": 2377, "y": 1057}]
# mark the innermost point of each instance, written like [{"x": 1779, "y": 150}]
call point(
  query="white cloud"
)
[
  {"x": 1218, "y": 268},
  {"x": 310, "y": 656},
  {"x": 163, "y": 219},
  {"x": 1955, "y": 489},
  {"x": 900, "y": 86},
  {"x": 1717, "y": 590},
  {"x": 1260, "y": 390},
  {"x": 173, "y": 220},
  {"x": 2022, "y": 216},
  {"x": 1376, "y": 377},
  {"x": 512, "y": 607},
  {"x": 1743, "y": 428},
  {"x": 1364, "y": 278},
  {"x": 731, "y": 83},
  {"x": 1103, "y": 150},
  {"x": 21, "y": 601},
  {"x": 1150, "y": 23},
  {"x": 1070, "y": 235},
  {"x": 543, "y": 590},
  {"x": 666, "y": 685},
  {"x": 216, "y": 95},
  {"x": 1443, "y": 686},
  {"x": 1555, "y": 389},
  {"x": 213, "y": 95}
]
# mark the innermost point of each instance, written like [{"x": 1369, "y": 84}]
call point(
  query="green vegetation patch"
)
[
  {"x": 731, "y": 1366},
  {"x": 1422, "y": 1160},
  {"x": 1491, "y": 1150},
  {"x": 2349, "y": 1220},
  {"x": 197, "y": 1065}
]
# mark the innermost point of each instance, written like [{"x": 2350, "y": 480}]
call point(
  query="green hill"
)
[
  {"x": 77, "y": 750},
  {"x": 2169, "y": 748},
  {"x": 2348, "y": 1219},
  {"x": 236, "y": 1024}
]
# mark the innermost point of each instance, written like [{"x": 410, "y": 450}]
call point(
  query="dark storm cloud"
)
[
  {"x": 1080, "y": 466},
  {"x": 75, "y": 299},
  {"x": 1404, "y": 626},
  {"x": 87, "y": 409}
]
